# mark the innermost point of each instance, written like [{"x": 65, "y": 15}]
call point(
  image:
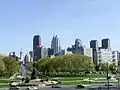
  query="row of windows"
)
[{"x": 112, "y": 60}]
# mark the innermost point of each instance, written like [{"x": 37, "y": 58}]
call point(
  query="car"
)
[
  {"x": 31, "y": 88},
  {"x": 14, "y": 88},
  {"x": 28, "y": 88},
  {"x": 110, "y": 84},
  {"x": 56, "y": 86},
  {"x": 80, "y": 86}
]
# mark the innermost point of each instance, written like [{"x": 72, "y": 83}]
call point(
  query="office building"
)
[
  {"x": 68, "y": 52},
  {"x": 106, "y": 44},
  {"x": 40, "y": 52},
  {"x": 55, "y": 45},
  {"x": 27, "y": 59},
  {"x": 94, "y": 46},
  {"x": 36, "y": 44},
  {"x": 107, "y": 56},
  {"x": 36, "y": 41},
  {"x": 37, "y": 53},
  {"x": 31, "y": 54},
  {"x": 88, "y": 52},
  {"x": 44, "y": 52},
  {"x": 60, "y": 53},
  {"x": 77, "y": 48},
  {"x": 50, "y": 52}
]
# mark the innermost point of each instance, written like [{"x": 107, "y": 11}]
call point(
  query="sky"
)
[{"x": 87, "y": 20}]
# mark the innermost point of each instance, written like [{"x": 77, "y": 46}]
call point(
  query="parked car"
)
[
  {"x": 31, "y": 88},
  {"x": 80, "y": 86},
  {"x": 56, "y": 86},
  {"x": 14, "y": 88},
  {"x": 110, "y": 84}
]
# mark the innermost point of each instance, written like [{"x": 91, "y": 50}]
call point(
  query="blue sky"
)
[{"x": 20, "y": 20}]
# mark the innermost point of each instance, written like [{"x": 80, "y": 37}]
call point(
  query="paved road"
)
[{"x": 67, "y": 88}]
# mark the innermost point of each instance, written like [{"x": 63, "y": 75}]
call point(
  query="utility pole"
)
[{"x": 108, "y": 75}]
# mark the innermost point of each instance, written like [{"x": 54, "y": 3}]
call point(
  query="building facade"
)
[
  {"x": 36, "y": 45},
  {"x": 88, "y": 52},
  {"x": 107, "y": 56},
  {"x": 95, "y": 49},
  {"x": 44, "y": 52},
  {"x": 77, "y": 48},
  {"x": 55, "y": 45}
]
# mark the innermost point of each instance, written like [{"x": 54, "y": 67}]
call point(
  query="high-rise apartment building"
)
[{"x": 55, "y": 45}]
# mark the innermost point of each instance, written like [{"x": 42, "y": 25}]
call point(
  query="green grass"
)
[
  {"x": 82, "y": 82},
  {"x": 3, "y": 85},
  {"x": 5, "y": 82},
  {"x": 79, "y": 79}
]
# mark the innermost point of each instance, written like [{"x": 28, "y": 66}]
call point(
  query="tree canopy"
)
[
  {"x": 72, "y": 63},
  {"x": 8, "y": 66}
]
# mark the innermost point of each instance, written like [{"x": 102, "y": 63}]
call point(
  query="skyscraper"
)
[
  {"x": 94, "y": 46},
  {"x": 106, "y": 44},
  {"x": 36, "y": 41},
  {"x": 36, "y": 46},
  {"x": 77, "y": 48},
  {"x": 55, "y": 44}
]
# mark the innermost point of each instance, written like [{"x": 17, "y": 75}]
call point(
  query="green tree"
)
[
  {"x": 12, "y": 66},
  {"x": 2, "y": 66},
  {"x": 72, "y": 63},
  {"x": 104, "y": 66},
  {"x": 112, "y": 67},
  {"x": 33, "y": 74},
  {"x": 29, "y": 66}
]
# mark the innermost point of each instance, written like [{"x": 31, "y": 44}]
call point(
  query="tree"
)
[
  {"x": 73, "y": 63},
  {"x": 2, "y": 66},
  {"x": 29, "y": 66},
  {"x": 33, "y": 74},
  {"x": 12, "y": 66},
  {"x": 112, "y": 67},
  {"x": 104, "y": 67}
]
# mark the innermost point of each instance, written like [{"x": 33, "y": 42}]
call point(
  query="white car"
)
[{"x": 32, "y": 88}]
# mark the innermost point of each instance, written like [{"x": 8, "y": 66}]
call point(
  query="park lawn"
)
[
  {"x": 4, "y": 85},
  {"x": 5, "y": 82},
  {"x": 82, "y": 82},
  {"x": 69, "y": 78},
  {"x": 79, "y": 77}
]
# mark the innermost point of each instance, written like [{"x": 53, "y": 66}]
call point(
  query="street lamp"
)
[{"x": 108, "y": 77}]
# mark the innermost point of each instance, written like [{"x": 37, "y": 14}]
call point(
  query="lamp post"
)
[{"x": 108, "y": 77}]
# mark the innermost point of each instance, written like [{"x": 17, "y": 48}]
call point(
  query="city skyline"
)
[{"x": 88, "y": 20}]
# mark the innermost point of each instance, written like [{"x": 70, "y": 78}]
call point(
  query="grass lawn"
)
[
  {"x": 79, "y": 79},
  {"x": 5, "y": 82},
  {"x": 82, "y": 82}
]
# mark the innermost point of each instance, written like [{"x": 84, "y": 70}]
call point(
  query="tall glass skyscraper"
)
[
  {"x": 55, "y": 45},
  {"x": 36, "y": 47},
  {"x": 36, "y": 41}
]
